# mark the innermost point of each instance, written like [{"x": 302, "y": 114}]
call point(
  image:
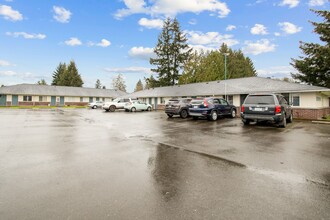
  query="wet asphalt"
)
[{"x": 91, "y": 164}]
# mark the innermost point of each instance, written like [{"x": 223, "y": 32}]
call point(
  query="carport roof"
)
[
  {"x": 43, "y": 90},
  {"x": 231, "y": 86}
]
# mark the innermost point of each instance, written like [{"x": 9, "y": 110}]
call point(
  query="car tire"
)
[
  {"x": 233, "y": 113},
  {"x": 107, "y": 110},
  {"x": 149, "y": 109},
  {"x": 290, "y": 119},
  {"x": 94, "y": 107},
  {"x": 170, "y": 115},
  {"x": 213, "y": 116},
  {"x": 282, "y": 124},
  {"x": 112, "y": 108},
  {"x": 246, "y": 122},
  {"x": 133, "y": 109},
  {"x": 184, "y": 113}
]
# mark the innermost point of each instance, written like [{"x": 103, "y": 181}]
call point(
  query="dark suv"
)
[
  {"x": 211, "y": 108},
  {"x": 266, "y": 107},
  {"x": 177, "y": 107}
]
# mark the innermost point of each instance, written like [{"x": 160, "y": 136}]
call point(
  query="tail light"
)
[
  {"x": 242, "y": 108},
  {"x": 277, "y": 109},
  {"x": 205, "y": 103}
]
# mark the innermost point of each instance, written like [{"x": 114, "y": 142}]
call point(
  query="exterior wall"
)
[
  {"x": 9, "y": 98},
  {"x": 307, "y": 113},
  {"x": 236, "y": 100}
]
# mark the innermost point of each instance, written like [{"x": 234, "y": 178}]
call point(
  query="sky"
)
[{"x": 108, "y": 37}]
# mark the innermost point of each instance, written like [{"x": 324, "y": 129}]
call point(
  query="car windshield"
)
[
  {"x": 116, "y": 100},
  {"x": 173, "y": 101},
  {"x": 260, "y": 99}
]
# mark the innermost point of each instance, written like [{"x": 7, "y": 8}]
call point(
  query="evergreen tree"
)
[
  {"x": 172, "y": 52},
  {"x": 314, "y": 68},
  {"x": 210, "y": 66},
  {"x": 98, "y": 84},
  {"x": 60, "y": 70},
  {"x": 75, "y": 78},
  {"x": 139, "y": 86},
  {"x": 42, "y": 82},
  {"x": 119, "y": 83},
  {"x": 151, "y": 82}
]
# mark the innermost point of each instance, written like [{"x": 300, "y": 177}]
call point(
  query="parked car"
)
[
  {"x": 118, "y": 103},
  {"x": 211, "y": 108},
  {"x": 137, "y": 106},
  {"x": 266, "y": 107},
  {"x": 94, "y": 105},
  {"x": 178, "y": 107}
]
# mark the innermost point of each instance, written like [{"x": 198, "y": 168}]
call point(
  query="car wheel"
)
[
  {"x": 170, "y": 115},
  {"x": 133, "y": 109},
  {"x": 290, "y": 119},
  {"x": 112, "y": 108},
  {"x": 149, "y": 109},
  {"x": 184, "y": 113},
  {"x": 282, "y": 124},
  {"x": 246, "y": 122},
  {"x": 213, "y": 116},
  {"x": 233, "y": 113},
  {"x": 94, "y": 107}
]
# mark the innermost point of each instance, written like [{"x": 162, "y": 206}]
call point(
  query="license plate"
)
[
  {"x": 258, "y": 109},
  {"x": 195, "y": 106}
]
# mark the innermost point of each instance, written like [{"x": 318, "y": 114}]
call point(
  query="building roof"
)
[
  {"x": 45, "y": 90},
  {"x": 230, "y": 87}
]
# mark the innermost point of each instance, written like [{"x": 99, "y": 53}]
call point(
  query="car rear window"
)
[
  {"x": 260, "y": 99},
  {"x": 197, "y": 102}
]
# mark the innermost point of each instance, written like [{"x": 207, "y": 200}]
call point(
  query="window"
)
[
  {"x": 97, "y": 98},
  {"x": 318, "y": 98},
  {"x": 295, "y": 100},
  {"x": 216, "y": 101},
  {"x": 81, "y": 99},
  {"x": 162, "y": 100},
  {"x": 27, "y": 98},
  {"x": 103, "y": 99},
  {"x": 223, "y": 102},
  {"x": 230, "y": 99},
  {"x": 42, "y": 98}
]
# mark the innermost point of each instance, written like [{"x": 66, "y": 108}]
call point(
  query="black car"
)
[
  {"x": 177, "y": 107},
  {"x": 266, "y": 107},
  {"x": 211, "y": 108}
]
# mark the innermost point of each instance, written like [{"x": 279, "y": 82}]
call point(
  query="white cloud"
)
[
  {"x": 9, "y": 14},
  {"x": 73, "y": 42},
  {"x": 259, "y": 47},
  {"x": 289, "y": 28},
  {"x": 129, "y": 70},
  {"x": 151, "y": 23},
  {"x": 172, "y": 8},
  {"x": 8, "y": 73},
  {"x": 193, "y": 22},
  {"x": 316, "y": 2},
  {"x": 277, "y": 34},
  {"x": 26, "y": 35},
  {"x": 5, "y": 63},
  {"x": 290, "y": 3},
  {"x": 210, "y": 39},
  {"x": 144, "y": 53},
  {"x": 103, "y": 43},
  {"x": 259, "y": 29},
  {"x": 230, "y": 27},
  {"x": 61, "y": 14},
  {"x": 276, "y": 71}
]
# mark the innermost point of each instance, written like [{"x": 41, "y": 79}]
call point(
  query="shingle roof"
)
[
  {"x": 34, "y": 89},
  {"x": 230, "y": 87}
]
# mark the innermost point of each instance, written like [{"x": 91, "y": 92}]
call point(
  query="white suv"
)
[{"x": 118, "y": 103}]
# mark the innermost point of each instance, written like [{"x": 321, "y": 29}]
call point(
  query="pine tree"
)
[
  {"x": 314, "y": 68},
  {"x": 119, "y": 83},
  {"x": 60, "y": 70},
  {"x": 42, "y": 82},
  {"x": 98, "y": 84},
  {"x": 74, "y": 76},
  {"x": 139, "y": 86},
  {"x": 210, "y": 66},
  {"x": 172, "y": 52}
]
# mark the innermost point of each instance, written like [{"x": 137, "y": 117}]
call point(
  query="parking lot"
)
[{"x": 92, "y": 164}]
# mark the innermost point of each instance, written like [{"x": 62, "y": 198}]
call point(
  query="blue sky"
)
[{"x": 108, "y": 37}]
